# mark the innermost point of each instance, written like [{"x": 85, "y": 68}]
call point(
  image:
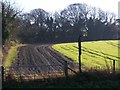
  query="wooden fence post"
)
[
  {"x": 66, "y": 69},
  {"x": 2, "y": 68},
  {"x": 34, "y": 76},
  {"x": 79, "y": 50},
  {"x": 113, "y": 66}
]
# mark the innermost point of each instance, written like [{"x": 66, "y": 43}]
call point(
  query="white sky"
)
[{"x": 56, "y": 5}]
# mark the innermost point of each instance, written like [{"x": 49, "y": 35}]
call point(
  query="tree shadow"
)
[{"x": 80, "y": 80}]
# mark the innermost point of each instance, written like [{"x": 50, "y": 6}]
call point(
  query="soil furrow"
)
[{"x": 40, "y": 60}]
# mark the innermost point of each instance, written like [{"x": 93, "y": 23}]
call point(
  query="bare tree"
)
[{"x": 9, "y": 15}]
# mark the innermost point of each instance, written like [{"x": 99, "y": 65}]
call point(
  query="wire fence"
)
[{"x": 42, "y": 72}]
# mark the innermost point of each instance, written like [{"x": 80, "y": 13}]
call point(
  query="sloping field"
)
[
  {"x": 38, "y": 62},
  {"x": 95, "y": 54}
]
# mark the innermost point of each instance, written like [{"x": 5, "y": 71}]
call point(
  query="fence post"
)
[
  {"x": 2, "y": 73},
  {"x": 113, "y": 66},
  {"x": 66, "y": 69},
  {"x": 79, "y": 57},
  {"x": 34, "y": 76}
]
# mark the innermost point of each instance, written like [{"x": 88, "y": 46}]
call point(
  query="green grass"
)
[
  {"x": 95, "y": 54},
  {"x": 11, "y": 55}
]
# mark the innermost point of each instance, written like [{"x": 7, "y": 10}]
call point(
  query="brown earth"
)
[{"x": 40, "y": 60}]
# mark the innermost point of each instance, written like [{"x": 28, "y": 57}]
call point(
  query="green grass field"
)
[{"x": 95, "y": 54}]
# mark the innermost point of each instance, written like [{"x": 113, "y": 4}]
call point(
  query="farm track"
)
[{"x": 40, "y": 60}]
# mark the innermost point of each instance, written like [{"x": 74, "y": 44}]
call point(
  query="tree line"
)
[{"x": 39, "y": 26}]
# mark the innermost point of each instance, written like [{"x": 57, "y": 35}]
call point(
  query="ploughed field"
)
[
  {"x": 45, "y": 61},
  {"x": 38, "y": 62}
]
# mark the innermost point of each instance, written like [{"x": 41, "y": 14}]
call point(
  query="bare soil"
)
[{"x": 39, "y": 61}]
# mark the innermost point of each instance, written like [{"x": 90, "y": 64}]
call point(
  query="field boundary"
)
[{"x": 10, "y": 74}]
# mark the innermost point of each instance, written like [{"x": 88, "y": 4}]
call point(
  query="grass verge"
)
[{"x": 12, "y": 54}]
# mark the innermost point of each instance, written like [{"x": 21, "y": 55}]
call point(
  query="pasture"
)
[{"x": 95, "y": 54}]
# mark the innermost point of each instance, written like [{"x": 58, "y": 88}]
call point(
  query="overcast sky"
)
[{"x": 57, "y": 5}]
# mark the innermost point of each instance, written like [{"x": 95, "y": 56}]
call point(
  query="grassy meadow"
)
[{"x": 95, "y": 54}]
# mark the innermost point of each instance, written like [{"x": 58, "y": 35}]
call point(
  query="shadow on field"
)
[{"x": 83, "y": 80}]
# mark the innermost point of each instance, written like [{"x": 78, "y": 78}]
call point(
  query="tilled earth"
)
[{"x": 39, "y": 61}]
